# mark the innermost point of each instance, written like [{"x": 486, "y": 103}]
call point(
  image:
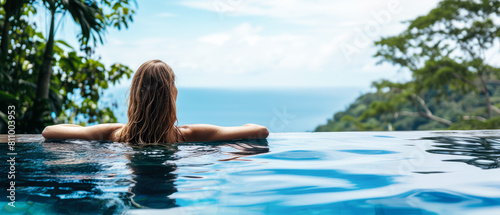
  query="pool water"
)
[{"x": 452, "y": 172}]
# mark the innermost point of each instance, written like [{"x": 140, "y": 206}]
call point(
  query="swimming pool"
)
[{"x": 442, "y": 172}]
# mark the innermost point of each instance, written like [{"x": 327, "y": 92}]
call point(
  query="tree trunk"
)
[
  {"x": 488, "y": 103},
  {"x": 4, "y": 44},
  {"x": 43, "y": 84},
  {"x": 427, "y": 113}
]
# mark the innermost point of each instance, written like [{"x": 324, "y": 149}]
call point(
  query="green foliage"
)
[
  {"x": 349, "y": 120},
  {"x": 93, "y": 17},
  {"x": 78, "y": 79},
  {"x": 453, "y": 85},
  {"x": 357, "y": 118},
  {"x": 87, "y": 78}
]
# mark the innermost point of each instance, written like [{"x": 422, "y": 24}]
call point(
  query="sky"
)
[{"x": 261, "y": 43}]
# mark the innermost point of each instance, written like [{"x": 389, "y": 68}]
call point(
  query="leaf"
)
[
  {"x": 5, "y": 97},
  {"x": 62, "y": 42}
]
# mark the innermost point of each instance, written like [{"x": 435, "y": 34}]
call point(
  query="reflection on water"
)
[
  {"x": 485, "y": 152},
  {"x": 76, "y": 176},
  {"x": 153, "y": 178},
  {"x": 153, "y": 168},
  {"x": 294, "y": 173},
  {"x": 50, "y": 176}
]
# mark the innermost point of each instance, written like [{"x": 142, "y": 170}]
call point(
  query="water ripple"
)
[
  {"x": 484, "y": 152},
  {"x": 300, "y": 173}
]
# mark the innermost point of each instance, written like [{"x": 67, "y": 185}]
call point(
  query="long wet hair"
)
[{"x": 151, "y": 112}]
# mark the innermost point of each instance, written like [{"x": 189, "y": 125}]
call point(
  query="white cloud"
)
[
  {"x": 299, "y": 11},
  {"x": 318, "y": 12},
  {"x": 216, "y": 39},
  {"x": 244, "y": 57},
  {"x": 251, "y": 54}
]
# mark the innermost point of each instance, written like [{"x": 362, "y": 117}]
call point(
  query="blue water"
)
[
  {"x": 281, "y": 110},
  {"x": 453, "y": 172}
]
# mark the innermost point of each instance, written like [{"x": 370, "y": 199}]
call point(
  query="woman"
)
[{"x": 152, "y": 116}]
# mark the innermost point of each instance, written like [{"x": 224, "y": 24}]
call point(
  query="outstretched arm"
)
[
  {"x": 68, "y": 131},
  {"x": 204, "y": 132}
]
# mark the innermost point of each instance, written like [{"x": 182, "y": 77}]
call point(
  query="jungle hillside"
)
[{"x": 454, "y": 83}]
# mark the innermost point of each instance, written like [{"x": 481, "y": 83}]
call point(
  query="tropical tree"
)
[
  {"x": 447, "y": 49},
  {"x": 454, "y": 81},
  {"x": 92, "y": 20},
  {"x": 12, "y": 11},
  {"x": 73, "y": 73}
]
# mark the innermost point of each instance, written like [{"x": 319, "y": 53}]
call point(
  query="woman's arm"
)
[
  {"x": 68, "y": 131},
  {"x": 204, "y": 132}
]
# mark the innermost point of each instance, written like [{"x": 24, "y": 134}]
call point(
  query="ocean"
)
[{"x": 280, "y": 110}]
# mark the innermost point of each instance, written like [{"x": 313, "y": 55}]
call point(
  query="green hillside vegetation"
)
[
  {"x": 454, "y": 85},
  {"x": 463, "y": 110}
]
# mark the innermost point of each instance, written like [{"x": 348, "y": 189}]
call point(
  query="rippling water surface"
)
[{"x": 289, "y": 173}]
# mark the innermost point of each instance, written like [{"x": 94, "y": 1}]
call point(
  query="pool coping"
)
[{"x": 28, "y": 138}]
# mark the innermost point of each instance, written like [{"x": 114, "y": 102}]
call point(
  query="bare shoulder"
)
[
  {"x": 192, "y": 132},
  {"x": 196, "y": 127},
  {"x": 108, "y": 126},
  {"x": 115, "y": 130},
  {"x": 187, "y": 130},
  {"x": 114, "y": 125}
]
